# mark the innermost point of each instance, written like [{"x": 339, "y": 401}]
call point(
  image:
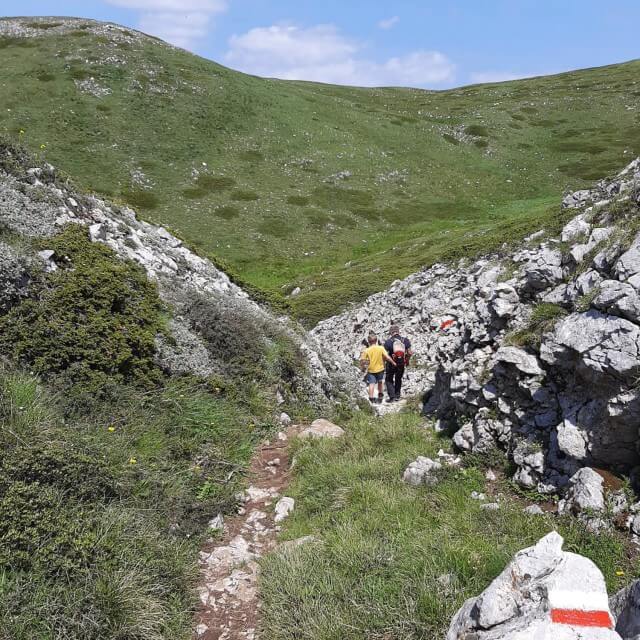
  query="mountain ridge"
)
[{"x": 300, "y": 179}]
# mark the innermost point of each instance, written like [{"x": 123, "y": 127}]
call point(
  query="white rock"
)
[
  {"x": 533, "y": 510},
  {"x": 283, "y": 509},
  {"x": 285, "y": 420},
  {"x": 518, "y": 604},
  {"x": 217, "y": 523},
  {"x": 421, "y": 471},
  {"x": 322, "y": 428}
]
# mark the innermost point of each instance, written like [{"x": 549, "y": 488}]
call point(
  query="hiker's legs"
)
[
  {"x": 380, "y": 391},
  {"x": 399, "y": 372},
  {"x": 390, "y": 383},
  {"x": 372, "y": 391}
]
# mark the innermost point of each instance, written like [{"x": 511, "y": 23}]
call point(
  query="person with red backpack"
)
[{"x": 399, "y": 350}]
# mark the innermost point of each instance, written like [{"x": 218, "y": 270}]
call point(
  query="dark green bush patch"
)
[
  {"x": 277, "y": 227},
  {"x": 451, "y": 139},
  {"x": 251, "y": 156},
  {"x": 44, "y": 76},
  {"x": 44, "y": 25},
  {"x": 213, "y": 184},
  {"x": 94, "y": 320},
  {"x": 476, "y": 130},
  {"x": 481, "y": 144},
  {"x": 317, "y": 219},
  {"x": 79, "y": 74},
  {"x": 298, "y": 201},
  {"x": 244, "y": 195},
  {"x": 226, "y": 212},
  {"x": 37, "y": 533},
  {"x": 141, "y": 198}
]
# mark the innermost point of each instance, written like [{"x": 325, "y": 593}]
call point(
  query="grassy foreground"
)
[
  {"x": 392, "y": 561},
  {"x": 287, "y": 182}
]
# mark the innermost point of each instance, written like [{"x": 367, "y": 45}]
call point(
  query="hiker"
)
[
  {"x": 372, "y": 360},
  {"x": 398, "y": 348}
]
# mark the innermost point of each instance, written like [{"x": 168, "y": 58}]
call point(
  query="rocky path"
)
[
  {"x": 230, "y": 605},
  {"x": 230, "y": 608}
]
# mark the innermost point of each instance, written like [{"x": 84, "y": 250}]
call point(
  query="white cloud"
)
[
  {"x": 181, "y": 22},
  {"x": 322, "y": 54},
  {"x": 389, "y": 23}
]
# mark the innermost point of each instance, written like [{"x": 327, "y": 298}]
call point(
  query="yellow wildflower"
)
[
  {"x": 619, "y": 573},
  {"x": 111, "y": 428},
  {"x": 43, "y": 146},
  {"x": 132, "y": 460}
]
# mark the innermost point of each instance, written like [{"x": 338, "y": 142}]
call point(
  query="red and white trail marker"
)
[{"x": 580, "y": 607}]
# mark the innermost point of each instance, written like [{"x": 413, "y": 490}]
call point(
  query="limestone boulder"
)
[{"x": 544, "y": 593}]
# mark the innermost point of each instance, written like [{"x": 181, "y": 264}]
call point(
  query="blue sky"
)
[{"x": 422, "y": 43}]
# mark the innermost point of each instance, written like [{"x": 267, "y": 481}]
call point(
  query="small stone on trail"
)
[
  {"x": 274, "y": 463},
  {"x": 322, "y": 428},
  {"x": 449, "y": 459},
  {"x": 217, "y": 523},
  {"x": 478, "y": 496},
  {"x": 533, "y": 510},
  {"x": 490, "y": 506},
  {"x": 285, "y": 420},
  {"x": 284, "y": 507},
  {"x": 490, "y": 476},
  {"x": 421, "y": 471}
]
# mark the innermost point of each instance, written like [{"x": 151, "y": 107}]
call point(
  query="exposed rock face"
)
[
  {"x": 544, "y": 593},
  {"x": 625, "y": 605},
  {"x": 536, "y": 352}
]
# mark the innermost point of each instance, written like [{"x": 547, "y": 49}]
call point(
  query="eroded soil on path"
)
[{"x": 230, "y": 607}]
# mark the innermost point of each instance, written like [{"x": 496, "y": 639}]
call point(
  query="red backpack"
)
[{"x": 399, "y": 351}]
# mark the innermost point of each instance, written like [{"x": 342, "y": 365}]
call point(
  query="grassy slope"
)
[
  {"x": 394, "y": 561},
  {"x": 434, "y": 174}
]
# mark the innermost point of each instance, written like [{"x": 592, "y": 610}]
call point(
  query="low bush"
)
[
  {"x": 93, "y": 321},
  {"x": 543, "y": 319}
]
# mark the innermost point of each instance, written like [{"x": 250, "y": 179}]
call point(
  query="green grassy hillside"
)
[{"x": 289, "y": 181}]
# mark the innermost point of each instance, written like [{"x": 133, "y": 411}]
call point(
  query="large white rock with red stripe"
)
[{"x": 545, "y": 593}]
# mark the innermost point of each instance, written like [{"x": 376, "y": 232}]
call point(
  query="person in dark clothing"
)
[{"x": 399, "y": 349}]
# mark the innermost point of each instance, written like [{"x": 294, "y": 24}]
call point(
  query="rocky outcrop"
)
[
  {"x": 544, "y": 593},
  {"x": 537, "y": 351},
  {"x": 36, "y": 203},
  {"x": 625, "y": 606}
]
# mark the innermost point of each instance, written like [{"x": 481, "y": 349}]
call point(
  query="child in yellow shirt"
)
[{"x": 372, "y": 360}]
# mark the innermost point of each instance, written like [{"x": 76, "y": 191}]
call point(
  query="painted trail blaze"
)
[{"x": 578, "y": 618}]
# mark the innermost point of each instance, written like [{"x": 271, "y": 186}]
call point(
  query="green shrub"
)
[
  {"x": 476, "y": 130},
  {"x": 80, "y": 74},
  {"x": 251, "y": 156},
  {"x": 226, "y": 212},
  {"x": 37, "y": 533},
  {"x": 250, "y": 346},
  {"x": 449, "y": 138},
  {"x": 74, "y": 474},
  {"x": 298, "y": 201},
  {"x": 543, "y": 319},
  {"x": 140, "y": 198},
  {"x": 94, "y": 320},
  {"x": 243, "y": 195},
  {"x": 213, "y": 184},
  {"x": 277, "y": 227}
]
